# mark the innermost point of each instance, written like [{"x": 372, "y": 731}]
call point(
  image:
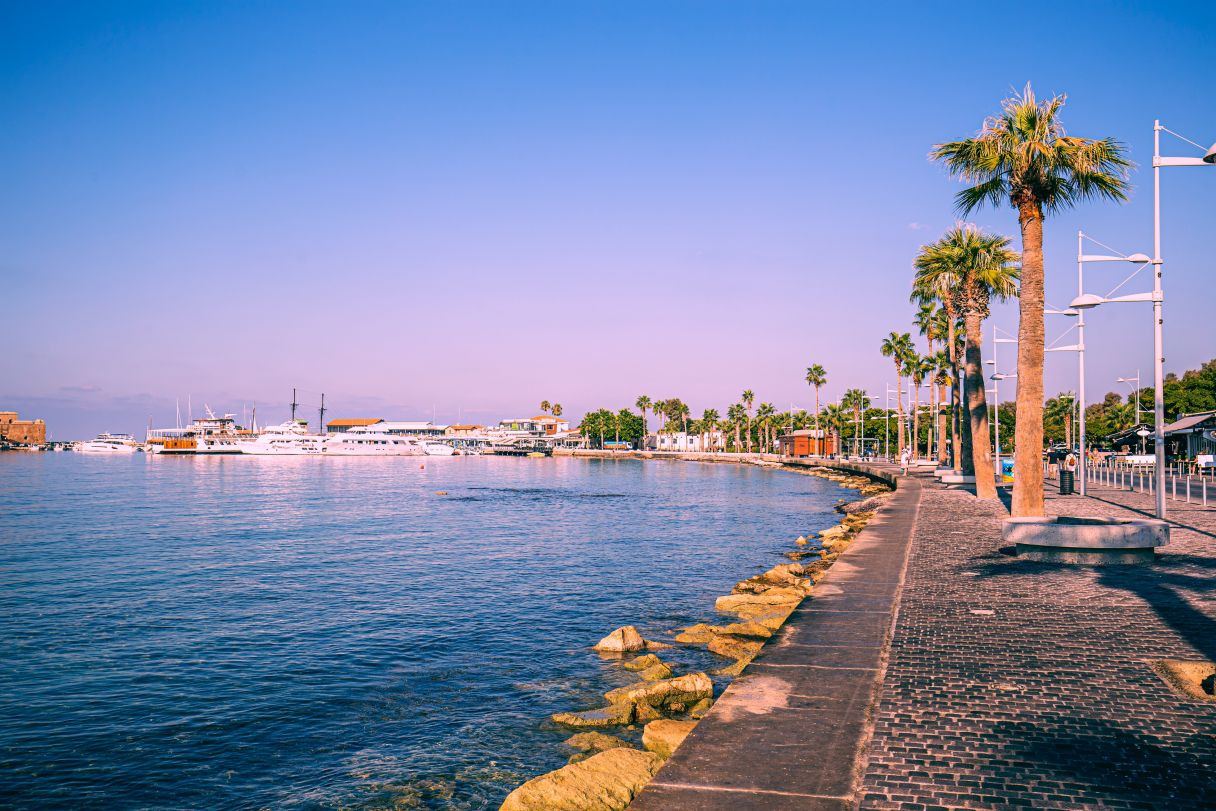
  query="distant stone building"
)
[{"x": 23, "y": 432}]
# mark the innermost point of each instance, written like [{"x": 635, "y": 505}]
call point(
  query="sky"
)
[{"x": 454, "y": 210}]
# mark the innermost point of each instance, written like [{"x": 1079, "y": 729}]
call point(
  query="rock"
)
[
  {"x": 697, "y": 634},
  {"x": 645, "y": 713},
  {"x": 735, "y": 670},
  {"x": 752, "y": 629},
  {"x": 607, "y": 781},
  {"x": 665, "y": 736},
  {"x": 656, "y": 672},
  {"x": 623, "y": 640},
  {"x": 594, "y": 742},
  {"x": 699, "y": 709},
  {"x": 682, "y": 689},
  {"x": 611, "y": 716},
  {"x": 735, "y": 647},
  {"x": 800, "y": 540},
  {"x": 652, "y": 645},
  {"x": 750, "y": 604},
  {"x": 642, "y": 662},
  {"x": 773, "y": 619},
  {"x": 832, "y": 533}
]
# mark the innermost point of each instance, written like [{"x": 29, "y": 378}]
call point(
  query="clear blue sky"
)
[{"x": 463, "y": 208}]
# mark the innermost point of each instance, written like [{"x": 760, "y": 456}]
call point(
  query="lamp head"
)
[
  {"x": 1143, "y": 432},
  {"x": 1086, "y": 301},
  {"x": 1140, "y": 257},
  {"x": 1210, "y": 157}
]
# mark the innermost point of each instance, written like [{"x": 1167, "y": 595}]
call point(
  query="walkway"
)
[{"x": 1004, "y": 683}]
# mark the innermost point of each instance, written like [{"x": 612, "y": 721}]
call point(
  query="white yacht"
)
[
  {"x": 289, "y": 439},
  {"x": 108, "y": 443},
  {"x": 439, "y": 449},
  {"x": 210, "y": 434},
  {"x": 372, "y": 443}
]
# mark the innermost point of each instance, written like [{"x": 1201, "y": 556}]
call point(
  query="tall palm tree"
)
[
  {"x": 896, "y": 346},
  {"x": 748, "y": 397},
  {"x": 931, "y": 322},
  {"x": 857, "y": 401},
  {"x": 936, "y": 279},
  {"x": 736, "y": 414},
  {"x": 764, "y": 414},
  {"x": 1023, "y": 156},
  {"x": 834, "y": 420},
  {"x": 709, "y": 419},
  {"x": 942, "y": 370},
  {"x": 556, "y": 409},
  {"x": 544, "y": 406},
  {"x": 1060, "y": 408},
  {"x": 919, "y": 369},
  {"x": 816, "y": 376},
  {"x": 987, "y": 268},
  {"x": 643, "y": 403}
]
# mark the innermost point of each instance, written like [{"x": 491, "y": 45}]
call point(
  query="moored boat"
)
[{"x": 108, "y": 444}]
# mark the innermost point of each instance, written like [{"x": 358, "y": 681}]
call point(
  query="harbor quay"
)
[{"x": 933, "y": 668}]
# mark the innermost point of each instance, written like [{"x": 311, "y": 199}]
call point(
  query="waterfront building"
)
[
  {"x": 342, "y": 426},
  {"x": 542, "y": 425},
  {"x": 464, "y": 430},
  {"x": 684, "y": 442},
  {"x": 1192, "y": 435},
  {"x": 21, "y": 432},
  {"x": 807, "y": 442}
]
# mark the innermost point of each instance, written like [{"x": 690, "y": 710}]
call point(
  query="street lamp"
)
[
  {"x": 1085, "y": 301},
  {"x": 996, "y": 396},
  {"x": 1135, "y": 393}
]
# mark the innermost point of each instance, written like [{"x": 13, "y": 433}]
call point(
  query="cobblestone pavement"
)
[{"x": 1020, "y": 684}]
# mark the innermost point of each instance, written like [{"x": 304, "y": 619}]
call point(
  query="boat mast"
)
[
  {"x": 322, "y": 428},
  {"x": 293, "y": 405}
]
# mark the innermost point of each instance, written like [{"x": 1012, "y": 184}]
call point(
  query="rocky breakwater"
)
[{"x": 606, "y": 772}]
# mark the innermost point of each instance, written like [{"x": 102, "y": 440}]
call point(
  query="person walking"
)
[{"x": 904, "y": 458}]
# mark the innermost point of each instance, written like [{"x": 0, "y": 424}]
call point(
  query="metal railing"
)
[{"x": 1140, "y": 479}]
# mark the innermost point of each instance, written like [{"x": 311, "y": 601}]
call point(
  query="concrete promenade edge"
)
[{"x": 790, "y": 732}]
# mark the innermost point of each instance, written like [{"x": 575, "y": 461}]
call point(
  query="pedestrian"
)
[{"x": 904, "y": 457}]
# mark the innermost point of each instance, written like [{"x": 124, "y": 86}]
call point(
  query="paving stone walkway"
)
[
  {"x": 997, "y": 682},
  {"x": 1014, "y": 683}
]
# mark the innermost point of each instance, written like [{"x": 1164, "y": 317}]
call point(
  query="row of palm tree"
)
[
  {"x": 550, "y": 408},
  {"x": 1021, "y": 157}
]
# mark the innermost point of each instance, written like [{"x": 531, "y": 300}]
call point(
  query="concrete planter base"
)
[
  {"x": 1089, "y": 541},
  {"x": 943, "y": 471},
  {"x": 957, "y": 478}
]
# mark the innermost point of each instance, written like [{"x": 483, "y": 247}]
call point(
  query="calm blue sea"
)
[{"x": 259, "y": 632}]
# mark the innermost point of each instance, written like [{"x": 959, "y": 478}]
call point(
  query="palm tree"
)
[
  {"x": 660, "y": 412},
  {"x": 858, "y": 401},
  {"x": 986, "y": 268},
  {"x": 834, "y": 419},
  {"x": 936, "y": 279},
  {"x": 1023, "y": 156},
  {"x": 556, "y": 409},
  {"x": 765, "y": 416},
  {"x": 816, "y": 376},
  {"x": 920, "y": 367},
  {"x": 643, "y": 404},
  {"x": 736, "y": 414},
  {"x": 931, "y": 322},
  {"x": 544, "y": 406},
  {"x": 748, "y": 398},
  {"x": 1060, "y": 408},
  {"x": 896, "y": 346},
  {"x": 942, "y": 371},
  {"x": 709, "y": 418}
]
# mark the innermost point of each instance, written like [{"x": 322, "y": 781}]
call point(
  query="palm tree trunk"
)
[
  {"x": 916, "y": 422},
  {"x": 977, "y": 404},
  {"x": 819, "y": 438},
  {"x": 899, "y": 404},
  {"x": 956, "y": 421},
  {"x": 1028, "y": 431},
  {"x": 943, "y": 412}
]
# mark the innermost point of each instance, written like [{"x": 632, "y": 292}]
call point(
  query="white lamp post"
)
[
  {"x": 1084, "y": 301},
  {"x": 1136, "y": 394}
]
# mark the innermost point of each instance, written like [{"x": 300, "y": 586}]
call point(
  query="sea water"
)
[{"x": 261, "y": 632}]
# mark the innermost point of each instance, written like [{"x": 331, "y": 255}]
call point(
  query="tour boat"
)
[
  {"x": 205, "y": 435},
  {"x": 438, "y": 449},
  {"x": 108, "y": 443},
  {"x": 289, "y": 439},
  {"x": 371, "y": 443}
]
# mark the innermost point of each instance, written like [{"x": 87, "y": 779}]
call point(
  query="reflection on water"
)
[{"x": 268, "y": 632}]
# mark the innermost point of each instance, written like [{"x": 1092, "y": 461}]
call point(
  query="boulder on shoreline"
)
[
  {"x": 656, "y": 672},
  {"x": 697, "y": 711},
  {"x": 697, "y": 634},
  {"x": 610, "y": 716},
  {"x": 735, "y": 647},
  {"x": 664, "y": 736},
  {"x": 609, "y": 781},
  {"x": 642, "y": 662},
  {"x": 625, "y": 639},
  {"x": 748, "y": 629},
  {"x": 686, "y": 690}
]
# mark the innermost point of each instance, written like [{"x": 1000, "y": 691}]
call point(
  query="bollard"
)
[
  {"x": 1174, "y": 486},
  {"x": 1188, "y": 488}
]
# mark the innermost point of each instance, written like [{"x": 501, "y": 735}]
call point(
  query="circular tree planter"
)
[
  {"x": 957, "y": 478},
  {"x": 1091, "y": 541}
]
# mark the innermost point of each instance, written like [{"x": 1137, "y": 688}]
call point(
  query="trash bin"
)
[{"x": 1067, "y": 482}]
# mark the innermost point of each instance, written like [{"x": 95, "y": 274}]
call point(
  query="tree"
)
[
  {"x": 919, "y": 368},
  {"x": 544, "y": 406},
  {"x": 936, "y": 279},
  {"x": 1059, "y": 409},
  {"x": 737, "y": 414},
  {"x": 985, "y": 268},
  {"x": 765, "y": 416},
  {"x": 896, "y": 347},
  {"x": 816, "y": 376},
  {"x": 557, "y": 409},
  {"x": 834, "y": 420},
  {"x": 748, "y": 398},
  {"x": 643, "y": 404},
  {"x": 1023, "y": 156},
  {"x": 709, "y": 421},
  {"x": 942, "y": 370},
  {"x": 931, "y": 322},
  {"x": 857, "y": 401}
]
